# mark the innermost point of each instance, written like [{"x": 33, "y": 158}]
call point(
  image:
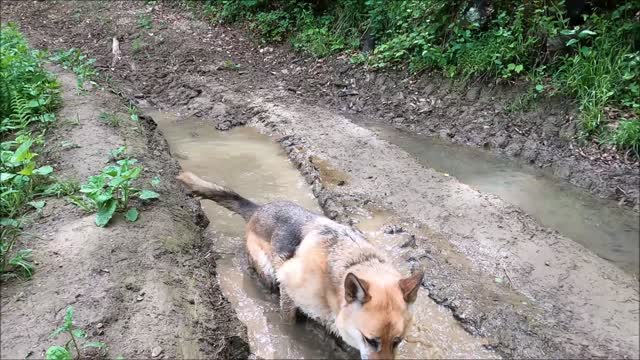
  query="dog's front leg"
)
[{"x": 287, "y": 307}]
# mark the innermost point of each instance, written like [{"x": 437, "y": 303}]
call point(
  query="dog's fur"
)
[{"x": 327, "y": 270}]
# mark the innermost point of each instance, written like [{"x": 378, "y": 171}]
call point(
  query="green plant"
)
[
  {"x": 79, "y": 63},
  {"x": 76, "y": 335},
  {"x": 145, "y": 21},
  {"x": 133, "y": 113},
  {"x": 138, "y": 45},
  {"x": 29, "y": 95},
  {"x": 271, "y": 26},
  {"x": 110, "y": 118},
  {"x": 627, "y": 136},
  {"x": 111, "y": 190}
]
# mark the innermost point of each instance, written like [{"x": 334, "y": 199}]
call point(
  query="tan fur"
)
[
  {"x": 332, "y": 273},
  {"x": 260, "y": 255}
]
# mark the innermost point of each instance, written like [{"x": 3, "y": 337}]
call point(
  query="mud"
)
[
  {"x": 609, "y": 230},
  {"x": 529, "y": 291},
  {"x": 253, "y": 165},
  {"x": 135, "y": 287}
]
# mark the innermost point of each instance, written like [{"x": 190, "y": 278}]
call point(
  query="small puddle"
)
[
  {"x": 256, "y": 167},
  {"x": 610, "y": 231}
]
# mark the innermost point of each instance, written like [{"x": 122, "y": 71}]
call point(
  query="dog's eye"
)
[
  {"x": 374, "y": 343},
  {"x": 396, "y": 342}
]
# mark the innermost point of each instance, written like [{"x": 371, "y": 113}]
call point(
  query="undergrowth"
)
[
  {"x": 595, "y": 59},
  {"x": 76, "y": 343},
  {"x": 80, "y": 64},
  {"x": 111, "y": 190},
  {"x": 29, "y": 96}
]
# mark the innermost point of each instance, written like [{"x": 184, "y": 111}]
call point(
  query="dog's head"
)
[{"x": 377, "y": 314}]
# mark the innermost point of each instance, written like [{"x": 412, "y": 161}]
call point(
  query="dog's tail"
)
[{"x": 224, "y": 197}]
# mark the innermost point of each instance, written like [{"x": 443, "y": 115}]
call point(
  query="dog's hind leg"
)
[{"x": 259, "y": 252}]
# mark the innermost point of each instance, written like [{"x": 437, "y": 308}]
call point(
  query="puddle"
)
[
  {"x": 254, "y": 166},
  {"x": 435, "y": 333},
  {"x": 610, "y": 231}
]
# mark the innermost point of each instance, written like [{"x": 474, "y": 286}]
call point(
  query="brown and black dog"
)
[{"x": 329, "y": 271}]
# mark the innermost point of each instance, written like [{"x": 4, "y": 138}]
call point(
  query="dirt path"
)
[
  {"x": 528, "y": 290},
  {"x": 139, "y": 288}
]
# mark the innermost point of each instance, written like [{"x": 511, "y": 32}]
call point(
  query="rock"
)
[
  {"x": 156, "y": 351},
  {"x": 410, "y": 243},
  {"x": 568, "y": 131},
  {"x": 443, "y": 133},
  {"x": 514, "y": 149},
  {"x": 473, "y": 94},
  {"x": 100, "y": 325},
  {"x": 501, "y": 140},
  {"x": 392, "y": 229},
  {"x": 348, "y": 93}
]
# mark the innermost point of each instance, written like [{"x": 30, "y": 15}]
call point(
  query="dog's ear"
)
[
  {"x": 355, "y": 289},
  {"x": 409, "y": 287}
]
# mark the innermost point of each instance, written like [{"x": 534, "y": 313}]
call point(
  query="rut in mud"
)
[{"x": 516, "y": 288}]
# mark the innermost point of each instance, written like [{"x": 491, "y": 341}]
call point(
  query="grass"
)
[
  {"x": 80, "y": 64},
  {"x": 145, "y": 22},
  {"x": 110, "y": 118},
  {"x": 597, "y": 63},
  {"x": 138, "y": 45},
  {"x": 29, "y": 97}
]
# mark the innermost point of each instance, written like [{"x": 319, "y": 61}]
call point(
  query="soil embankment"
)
[{"x": 143, "y": 288}]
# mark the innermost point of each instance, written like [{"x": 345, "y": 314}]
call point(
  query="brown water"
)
[
  {"x": 610, "y": 231},
  {"x": 254, "y": 166}
]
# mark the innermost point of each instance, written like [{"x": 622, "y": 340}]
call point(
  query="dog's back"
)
[{"x": 328, "y": 270}]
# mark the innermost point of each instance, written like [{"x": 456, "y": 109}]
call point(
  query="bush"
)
[
  {"x": 28, "y": 97},
  {"x": 597, "y": 62}
]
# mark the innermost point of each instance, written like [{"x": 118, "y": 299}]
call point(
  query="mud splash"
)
[
  {"x": 253, "y": 165},
  {"x": 608, "y": 230}
]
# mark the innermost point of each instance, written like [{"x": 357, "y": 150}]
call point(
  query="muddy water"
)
[
  {"x": 435, "y": 334},
  {"x": 254, "y": 166},
  {"x": 608, "y": 230}
]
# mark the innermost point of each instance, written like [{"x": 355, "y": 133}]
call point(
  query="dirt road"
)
[{"x": 528, "y": 291}]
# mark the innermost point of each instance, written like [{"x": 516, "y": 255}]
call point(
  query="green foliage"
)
[
  {"x": 597, "y": 63},
  {"x": 627, "y": 136},
  {"x": 111, "y": 190},
  {"x": 75, "y": 336},
  {"x": 145, "y": 21},
  {"x": 74, "y": 60},
  {"x": 110, "y": 118},
  {"x": 29, "y": 95},
  {"x": 138, "y": 45},
  {"x": 133, "y": 113},
  {"x": 316, "y": 37},
  {"x": 271, "y": 26}
]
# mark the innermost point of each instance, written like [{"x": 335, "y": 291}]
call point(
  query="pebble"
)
[{"x": 156, "y": 351}]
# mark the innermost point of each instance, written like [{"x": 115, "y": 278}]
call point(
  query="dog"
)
[{"x": 328, "y": 271}]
